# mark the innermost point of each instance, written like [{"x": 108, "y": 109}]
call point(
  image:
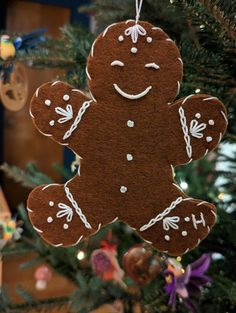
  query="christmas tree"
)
[{"x": 115, "y": 267}]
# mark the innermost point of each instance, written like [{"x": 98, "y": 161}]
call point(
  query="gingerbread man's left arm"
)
[{"x": 197, "y": 124}]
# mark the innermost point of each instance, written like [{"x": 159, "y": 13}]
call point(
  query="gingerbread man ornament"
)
[{"x": 129, "y": 136}]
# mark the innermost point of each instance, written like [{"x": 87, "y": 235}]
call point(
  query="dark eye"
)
[
  {"x": 117, "y": 63},
  {"x": 152, "y": 65}
]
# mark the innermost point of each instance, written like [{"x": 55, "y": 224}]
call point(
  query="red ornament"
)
[
  {"x": 42, "y": 275},
  {"x": 141, "y": 265}
]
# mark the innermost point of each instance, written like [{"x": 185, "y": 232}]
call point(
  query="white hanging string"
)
[{"x": 138, "y": 10}]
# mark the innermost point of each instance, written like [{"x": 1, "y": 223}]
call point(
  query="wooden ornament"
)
[{"x": 14, "y": 94}]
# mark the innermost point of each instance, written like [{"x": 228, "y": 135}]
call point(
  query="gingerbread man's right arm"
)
[{"x": 57, "y": 111}]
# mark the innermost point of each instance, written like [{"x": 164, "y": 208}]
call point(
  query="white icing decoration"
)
[
  {"x": 178, "y": 87},
  {"x": 77, "y": 209},
  {"x": 185, "y": 132},
  {"x": 65, "y": 211},
  {"x": 134, "y": 31},
  {"x": 117, "y": 62},
  {"x": 47, "y": 102},
  {"x": 37, "y": 92},
  {"x": 167, "y": 238},
  {"x": 224, "y": 116},
  {"x": 134, "y": 50},
  {"x": 197, "y": 115},
  {"x": 49, "y": 219},
  {"x": 121, "y": 38},
  {"x": 196, "y": 222},
  {"x": 171, "y": 222},
  {"x": 184, "y": 233},
  {"x": 149, "y": 39},
  {"x": 160, "y": 216},
  {"x": 186, "y": 99},
  {"x": 211, "y": 122},
  {"x": 56, "y": 82},
  {"x": 77, "y": 120},
  {"x": 180, "y": 60},
  {"x": 51, "y": 203},
  {"x": 66, "y": 97},
  {"x": 152, "y": 65},
  {"x": 52, "y": 123},
  {"x": 129, "y": 157},
  {"x": 168, "y": 39},
  {"x": 65, "y": 226},
  {"x": 210, "y": 98},
  {"x": 196, "y": 129},
  {"x": 87, "y": 73},
  {"x": 209, "y": 139},
  {"x": 187, "y": 219},
  {"x": 66, "y": 113},
  {"x": 123, "y": 189},
  {"x": 106, "y": 30},
  {"x": 129, "y": 96},
  {"x": 130, "y": 123}
]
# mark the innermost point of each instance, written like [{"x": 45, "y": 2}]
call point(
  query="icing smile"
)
[{"x": 129, "y": 96}]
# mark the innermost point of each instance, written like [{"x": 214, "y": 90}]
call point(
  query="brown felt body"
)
[{"x": 103, "y": 139}]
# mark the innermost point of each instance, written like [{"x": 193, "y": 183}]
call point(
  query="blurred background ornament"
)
[
  {"x": 186, "y": 283},
  {"x": 116, "y": 307},
  {"x": 140, "y": 264},
  {"x": 43, "y": 275},
  {"x": 14, "y": 92},
  {"x": 7, "y": 48},
  {"x": 104, "y": 261}
]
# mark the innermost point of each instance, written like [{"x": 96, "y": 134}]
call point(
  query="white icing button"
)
[
  {"x": 149, "y": 39},
  {"x": 51, "y": 123},
  {"x": 66, "y": 97},
  {"x": 130, "y": 123},
  {"x": 184, "y": 233},
  {"x": 49, "y": 219},
  {"x": 123, "y": 189},
  {"x": 209, "y": 139},
  {"x": 129, "y": 157},
  {"x": 121, "y": 38},
  {"x": 211, "y": 122},
  {"x": 134, "y": 50},
  {"x": 167, "y": 238},
  {"x": 47, "y": 102},
  {"x": 187, "y": 219},
  {"x": 51, "y": 203},
  {"x": 65, "y": 226},
  {"x": 198, "y": 115}
]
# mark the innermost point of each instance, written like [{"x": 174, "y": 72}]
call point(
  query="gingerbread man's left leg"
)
[{"x": 180, "y": 224}]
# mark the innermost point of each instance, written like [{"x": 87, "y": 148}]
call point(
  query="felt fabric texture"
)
[{"x": 128, "y": 148}]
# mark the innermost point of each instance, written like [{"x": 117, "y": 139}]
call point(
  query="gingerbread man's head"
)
[{"x": 134, "y": 63}]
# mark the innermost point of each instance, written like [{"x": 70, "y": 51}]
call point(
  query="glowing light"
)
[
  {"x": 80, "y": 255},
  {"x": 184, "y": 185},
  {"x": 197, "y": 90},
  {"x": 202, "y": 26},
  {"x": 221, "y": 196},
  {"x": 179, "y": 258},
  {"x": 172, "y": 1}
]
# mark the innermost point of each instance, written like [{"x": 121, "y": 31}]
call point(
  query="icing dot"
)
[
  {"x": 211, "y": 122},
  {"x": 123, "y": 189},
  {"x": 51, "y": 203},
  {"x": 65, "y": 226},
  {"x": 129, "y": 157},
  {"x": 184, "y": 233},
  {"x": 130, "y": 123},
  {"x": 197, "y": 115},
  {"x": 47, "y": 102},
  {"x": 66, "y": 97},
  {"x": 167, "y": 238},
  {"x": 51, "y": 123},
  {"x": 209, "y": 139},
  {"x": 149, "y": 39},
  {"x": 134, "y": 50},
  {"x": 121, "y": 38},
  {"x": 49, "y": 219},
  {"x": 187, "y": 219}
]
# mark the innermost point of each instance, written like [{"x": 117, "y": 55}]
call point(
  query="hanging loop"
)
[{"x": 138, "y": 10}]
